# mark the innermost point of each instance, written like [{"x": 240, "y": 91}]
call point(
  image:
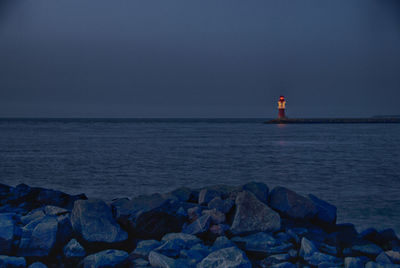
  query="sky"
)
[{"x": 157, "y": 58}]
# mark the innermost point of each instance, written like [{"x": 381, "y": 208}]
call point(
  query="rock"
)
[
  {"x": 284, "y": 265},
  {"x": 181, "y": 194},
  {"x": 39, "y": 241},
  {"x": 370, "y": 250},
  {"x": 275, "y": 259},
  {"x": 324, "y": 248},
  {"x": 194, "y": 213},
  {"x": 372, "y": 264},
  {"x": 57, "y": 198},
  {"x": 12, "y": 262},
  {"x": 227, "y": 257},
  {"x": 194, "y": 254},
  {"x": 219, "y": 229},
  {"x": 346, "y": 234},
  {"x": 188, "y": 239},
  {"x": 394, "y": 256},
  {"x": 352, "y": 262},
  {"x": 206, "y": 195},
  {"x": 139, "y": 263},
  {"x": 199, "y": 226},
  {"x": 159, "y": 260},
  {"x": 259, "y": 189},
  {"x": 217, "y": 217},
  {"x": 326, "y": 213},
  {"x": 93, "y": 220},
  {"x": 55, "y": 211},
  {"x": 252, "y": 215},
  {"x": 105, "y": 258},
  {"x": 261, "y": 244},
  {"x": 317, "y": 258},
  {"x": 74, "y": 250},
  {"x": 291, "y": 204},
  {"x": 221, "y": 205},
  {"x": 222, "y": 242},
  {"x": 36, "y": 214},
  {"x": 307, "y": 248},
  {"x": 37, "y": 265},
  {"x": 143, "y": 248},
  {"x": 8, "y": 229},
  {"x": 383, "y": 258},
  {"x": 171, "y": 248}
]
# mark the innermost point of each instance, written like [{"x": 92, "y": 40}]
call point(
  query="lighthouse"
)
[{"x": 281, "y": 107}]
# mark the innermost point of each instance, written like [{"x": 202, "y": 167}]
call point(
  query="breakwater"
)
[
  {"x": 371, "y": 120},
  {"x": 217, "y": 226}
]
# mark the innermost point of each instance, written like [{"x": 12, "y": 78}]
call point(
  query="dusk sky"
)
[{"x": 103, "y": 58}]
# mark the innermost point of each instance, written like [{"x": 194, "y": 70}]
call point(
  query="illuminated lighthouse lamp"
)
[{"x": 281, "y": 107}]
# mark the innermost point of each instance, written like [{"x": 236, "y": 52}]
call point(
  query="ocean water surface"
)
[{"x": 354, "y": 166}]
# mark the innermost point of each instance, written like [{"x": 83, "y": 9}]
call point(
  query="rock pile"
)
[{"x": 218, "y": 226}]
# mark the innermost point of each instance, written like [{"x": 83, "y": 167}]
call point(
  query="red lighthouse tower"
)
[{"x": 281, "y": 107}]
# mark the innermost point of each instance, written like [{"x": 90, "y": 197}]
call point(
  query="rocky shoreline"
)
[{"x": 217, "y": 226}]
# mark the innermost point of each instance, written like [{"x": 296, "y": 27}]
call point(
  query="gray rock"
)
[
  {"x": 222, "y": 242},
  {"x": 194, "y": 213},
  {"x": 199, "y": 226},
  {"x": 219, "y": 229},
  {"x": 370, "y": 250},
  {"x": 171, "y": 248},
  {"x": 317, "y": 258},
  {"x": 8, "y": 230},
  {"x": 227, "y": 257},
  {"x": 383, "y": 258},
  {"x": 284, "y": 265},
  {"x": 74, "y": 250},
  {"x": 161, "y": 261},
  {"x": 217, "y": 217},
  {"x": 276, "y": 258},
  {"x": 307, "y": 248},
  {"x": 259, "y": 189},
  {"x": 93, "y": 220},
  {"x": 194, "y": 254},
  {"x": 221, "y": 205},
  {"x": 54, "y": 211},
  {"x": 262, "y": 244},
  {"x": 206, "y": 195},
  {"x": 331, "y": 250},
  {"x": 352, "y": 262},
  {"x": 37, "y": 265},
  {"x": 105, "y": 258},
  {"x": 139, "y": 263},
  {"x": 40, "y": 241},
  {"x": 188, "y": 239},
  {"x": 372, "y": 264},
  {"x": 33, "y": 215},
  {"x": 143, "y": 248},
  {"x": 326, "y": 213},
  {"x": 394, "y": 256},
  {"x": 12, "y": 262},
  {"x": 252, "y": 215},
  {"x": 292, "y": 204}
]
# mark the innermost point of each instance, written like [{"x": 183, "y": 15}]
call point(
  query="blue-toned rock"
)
[
  {"x": 275, "y": 259},
  {"x": 259, "y": 189},
  {"x": 188, "y": 239},
  {"x": 143, "y": 248},
  {"x": 261, "y": 244},
  {"x": 199, "y": 226},
  {"x": 317, "y": 258},
  {"x": 37, "y": 265},
  {"x": 12, "y": 262},
  {"x": 326, "y": 213},
  {"x": 370, "y": 250},
  {"x": 283, "y": 265},
  {"x": 291, "y": 204},
  {"x": 94, "y": 221},
  {"x": 74, "y": 250},
  {"x": 353, "y": 262},
  {"x": 222, "y": 242},
  {"x": 106, "y": 258},
  {"x": 207, "y": 194},
  {"x": 171, "y": 248},
  {"x": 383, "y": 258},
  {"x": 372, "y": 264},
  {"x": 307, "y": 248},
  {"x": 217, "y": 217},
  {"x": 221, "y": 205},
  {"x": 394, "y": 256},
  {"x": 227, "y": 257},
  {"x": 161, "y": 261},
  {"x": 8, "y": 229},
  {"x": 252, "y": 216}
]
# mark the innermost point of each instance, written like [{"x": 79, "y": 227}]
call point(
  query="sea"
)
[{"x": 356, "y": 167}]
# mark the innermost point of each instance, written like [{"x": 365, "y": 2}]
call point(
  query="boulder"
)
[
  {"x": 372, "y": 264},
  {"x": 37, "y": 265},
  {"x": 284, "y": 265},
  {"x": 221, "y": 205},
  {"x": 217, "y": 217},
  {"x": 39, "y": 239},
  {"x": 36, "y": 214},
  {"x": 318, "y": 258},
  {"x": 74, "y": 250},
  {"x": 12, "y": 262},
  {"x": 55, "y": 211},
  {"x": 261, "y": 244},
  {"x": 259, "y": 189},
  {"x": 227, "y": 257},
  {"x": 188, "y": 239},
  {"x": 181, "y": 194},
  {"x": 206, "y": 195},
  {"x": 394, "y": 256},
  {"x": 291, "y": 204},
  {"x": 383, "y": 258},
  {"x": 194, "y": 213},
  {"x": 140, "y": 263},
  {"x": 352, "y": 262},
  {"x": 171, "y": 248},
  {"x": 93, "y": 220},
  {"x": 106, "y": 258},
  {"x": 199, "y": 226},
  {"x": 57, "y": 198},
  {"x": 326, "y": 213},
  {"x": 252, "y": 215},
  {"x": 370, "y": 250},
  {"x": 345, "y": 234},
  {"x": 219, "y": 229},
  {"x": 8, "y": 229},
  {"x": 161, "y": 261},
  {"x": 222, "y": 242},
  {"x": 143, "y": 248},
  {"x": 307, "y": 248},
  {"x": 275, "y": 259}
]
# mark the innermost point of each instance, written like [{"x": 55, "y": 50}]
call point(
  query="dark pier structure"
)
[{"x": 282, "y": 119}]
